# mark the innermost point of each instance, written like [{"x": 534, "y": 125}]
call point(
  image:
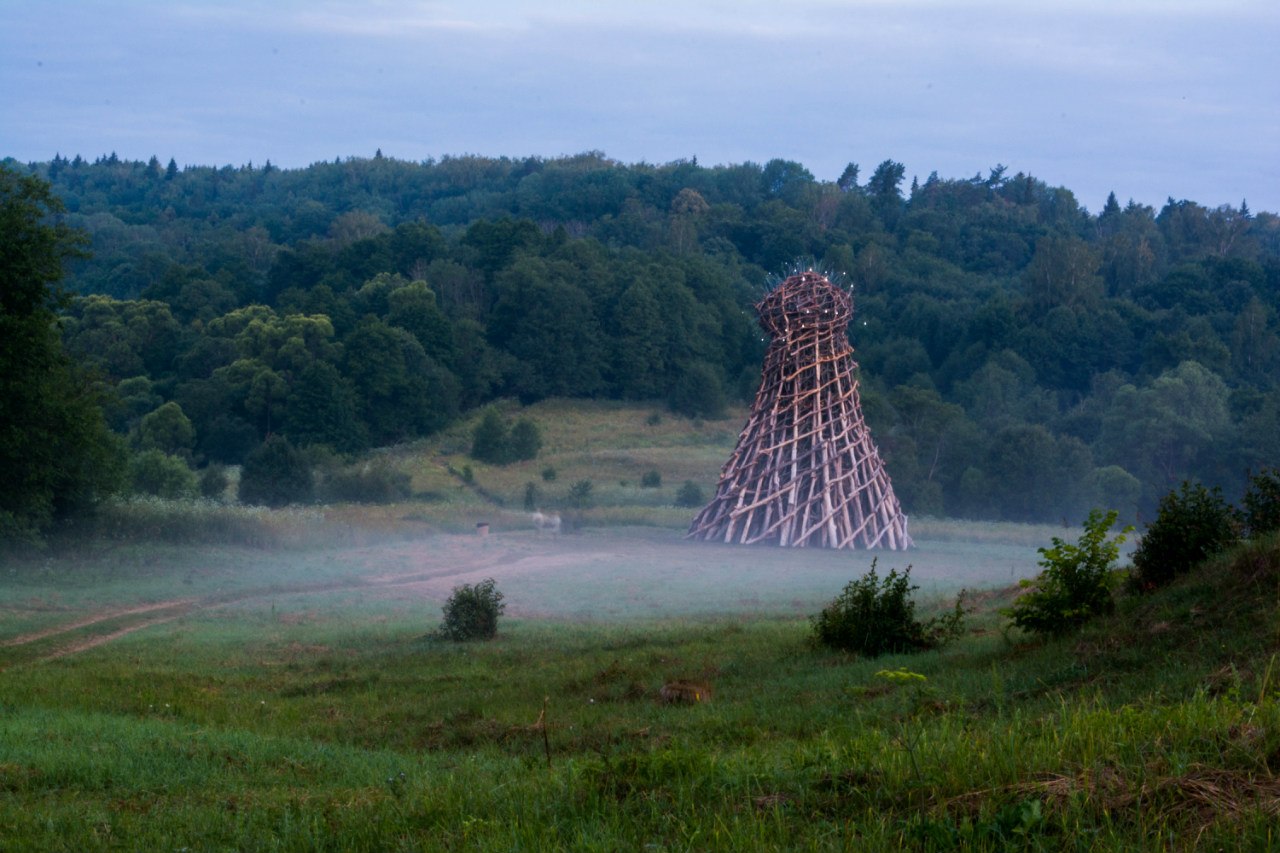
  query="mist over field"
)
[
  {"x": 277, "y": 580},
  {"x": 600, "y": 575}
]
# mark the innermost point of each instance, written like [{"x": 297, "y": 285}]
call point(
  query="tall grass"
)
[{"x": 194, "y": 521}]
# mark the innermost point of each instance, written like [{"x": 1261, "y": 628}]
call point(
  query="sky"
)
[{"x": 1150, "y": 99}]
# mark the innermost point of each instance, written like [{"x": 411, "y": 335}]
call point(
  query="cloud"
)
[{"x": 1088, "y": 93}]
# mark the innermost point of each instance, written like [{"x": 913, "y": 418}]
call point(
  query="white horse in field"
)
[{"x": 546, "y": 522}]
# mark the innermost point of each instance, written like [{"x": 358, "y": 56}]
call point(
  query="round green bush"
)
[
  {"x": 1076, "y": 583},
  {"x": 472, "y": 612},
  {"x": 497, "y": 443},
  {"x": 489, "y": 439},
  {"x": 524, "y": 441},
  {"x": 873, "y": 617},
  {"x": 689, "y": 495},
  {"x": 154, "y": 472}
]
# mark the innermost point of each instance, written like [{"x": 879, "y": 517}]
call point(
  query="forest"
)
[{"x": 1021, "y": 358}]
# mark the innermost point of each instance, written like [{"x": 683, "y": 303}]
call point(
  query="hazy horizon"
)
[{"x": 1149, "y": 100}]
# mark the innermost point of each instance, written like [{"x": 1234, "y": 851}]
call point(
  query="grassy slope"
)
[
  {"x": 345, "y": 729},
  {"x": 612, "y": 444},
  {"x": 248, "y": 731},
  {"x": 608, "y": 443}
]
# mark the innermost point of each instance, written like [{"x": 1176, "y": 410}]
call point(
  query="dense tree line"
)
[{"x": 1022, "y": 358}]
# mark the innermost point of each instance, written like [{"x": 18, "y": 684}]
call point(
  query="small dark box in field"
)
[{"x": 684, "y": 693}]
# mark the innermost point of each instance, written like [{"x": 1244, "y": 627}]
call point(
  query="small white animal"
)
[{"x": 546, "y": 522}]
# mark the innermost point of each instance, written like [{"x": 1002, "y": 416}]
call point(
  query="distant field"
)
[
  {"x": 611, "y": 444},
  {"x": 600, "y": 574},
  {"x": 627, "y": 558}
]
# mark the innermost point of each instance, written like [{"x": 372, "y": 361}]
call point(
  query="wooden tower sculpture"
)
[{"x": 805, "y": 472}]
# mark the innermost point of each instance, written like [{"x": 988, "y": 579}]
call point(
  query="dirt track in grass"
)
[
  {"x": 603, "y": 575},
  {"x": 94, "y": 619}
]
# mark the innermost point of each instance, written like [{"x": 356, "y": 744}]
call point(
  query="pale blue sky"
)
[{"x": 1150, "y": 99}]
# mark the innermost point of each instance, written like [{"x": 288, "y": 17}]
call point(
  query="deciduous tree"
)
[{"x": 57, "y": 455}]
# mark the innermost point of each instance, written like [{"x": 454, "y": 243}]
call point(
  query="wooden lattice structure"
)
[{"x": 805, "y": 471}]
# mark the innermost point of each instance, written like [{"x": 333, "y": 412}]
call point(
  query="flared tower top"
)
[{"x": 806, "y": 300}]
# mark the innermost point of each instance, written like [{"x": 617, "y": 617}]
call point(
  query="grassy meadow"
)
[{"x": 208, "y": 678}]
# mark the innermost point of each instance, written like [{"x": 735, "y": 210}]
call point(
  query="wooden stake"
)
[{"x": 542, "y": 724}]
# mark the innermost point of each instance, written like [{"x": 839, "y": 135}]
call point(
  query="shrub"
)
[
  {"x": 1193, "y": 523},
  {"x": 213, "y": 482},
  {"x": 154, "y": 472},
  {"x": 872, "y": 617},
  {"x": 650, "y": 480},
  {"x": 1076, "y": 583},
  {"x": 191, "y": 521},
  {"x": 525, "y": 441},
  {"x": 472, "y": 612},
  {"x": 489, "y": 438},
  {"x": 689, "y": 494},
  {"x": 1262, "y": 503},
  {"x": 372, "y": 483},
  {"x": 549, "y": 474},
  {"x": 276, "y": 474},
  {"x": 497, "y": 443},
  {"x": 580, "y": 494}
]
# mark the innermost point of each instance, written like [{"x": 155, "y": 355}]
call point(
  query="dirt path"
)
[
  {"x": 453, "y": 564},
  {"x": 94, "y": 619},
  {"x": 103, "y": 639}
]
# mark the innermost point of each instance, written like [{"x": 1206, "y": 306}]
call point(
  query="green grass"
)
[
  {"x": 322, "y": 722},
  {"x": 216, "y": 678}
]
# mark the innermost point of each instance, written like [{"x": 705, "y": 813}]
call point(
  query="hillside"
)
[
  {"x": 322, "y": 716},
  {"x": 1023, "y": 358}
]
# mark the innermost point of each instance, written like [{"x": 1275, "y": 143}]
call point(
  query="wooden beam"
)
[{"x": 805, "y": 471}]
